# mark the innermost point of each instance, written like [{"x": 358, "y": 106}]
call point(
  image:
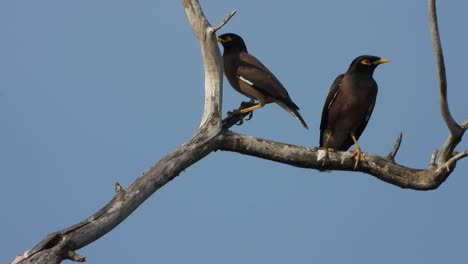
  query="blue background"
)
[{"x": 94, "y": 92}]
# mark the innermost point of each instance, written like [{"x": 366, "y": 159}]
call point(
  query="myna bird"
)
[
  {"x": 349, "y": 105},
  {"x": 251, "y": 78}
]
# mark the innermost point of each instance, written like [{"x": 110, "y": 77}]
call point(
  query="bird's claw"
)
[
  {"x": 357, "y": 154},
  {"x": 234, "y": 113},
  {"x": 244, "y": 105},
  {"x": 249, "y": 116}
]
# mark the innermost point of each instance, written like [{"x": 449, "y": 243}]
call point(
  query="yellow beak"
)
[{"x": 381, "y": 61}]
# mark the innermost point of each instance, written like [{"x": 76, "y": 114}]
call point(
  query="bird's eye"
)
[
  {"x": 224, "y": 39},
  {"x": 366, "y": 62}
]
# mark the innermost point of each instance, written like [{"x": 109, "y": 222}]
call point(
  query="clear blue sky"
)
[{"x": 91, "y": 93}]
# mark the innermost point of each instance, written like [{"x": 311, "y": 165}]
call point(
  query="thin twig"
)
[
  {"x": 464, "y": 125},
  {"x": 456, "y": 132},
  {"x": 452, "y": 125},
  {"x": 75, "y": 257},
  {"x": 432, "y": 162},
  {"x": 396, "y": 147},
  {"x": 447, "y": 165},
  {"x": 225, "y": 20}
]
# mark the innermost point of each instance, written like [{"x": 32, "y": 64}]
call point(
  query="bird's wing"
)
[
  {"x": 251, "y": 71},
  {"x": 334, "y": 90},
  {"x": 349, "y": 141},
  {"x": 363, "y": 125}
]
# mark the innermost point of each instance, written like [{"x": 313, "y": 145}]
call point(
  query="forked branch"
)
[
  {"x": 439, "y": 56},
  {"x": 62, "y": 244},
  {"x": 383, "y": 168},
  {"x": 456, "y": 131},
  {"x": 214, "y": 134}
]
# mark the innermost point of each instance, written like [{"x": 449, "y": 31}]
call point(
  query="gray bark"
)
[{"x": 214, "y": 134}]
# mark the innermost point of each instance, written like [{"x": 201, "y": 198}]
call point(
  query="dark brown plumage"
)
[
  {"x": 349, "y": 105},
  {"x": 250, "y": 77}
]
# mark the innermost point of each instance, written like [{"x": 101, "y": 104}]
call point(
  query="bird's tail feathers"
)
[{"x": 293, "y": 110}]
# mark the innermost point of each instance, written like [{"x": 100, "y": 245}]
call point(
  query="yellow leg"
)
[
  {"x": 357, "y": 153},
  {"x": 327, "y": 140},
  {"x": 250, "y": 109},
  {"x": 325, "y": 148}
]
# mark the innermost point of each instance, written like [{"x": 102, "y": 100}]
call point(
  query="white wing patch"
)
[
  {"x": 245, "y": 80},
  {"x": 334, "y": 97}
]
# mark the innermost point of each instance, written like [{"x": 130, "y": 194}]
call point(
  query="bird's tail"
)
[{"x": 293, "y": 110}]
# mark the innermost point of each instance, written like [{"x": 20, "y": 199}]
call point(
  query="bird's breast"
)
[{"x": 352, "y": 104}]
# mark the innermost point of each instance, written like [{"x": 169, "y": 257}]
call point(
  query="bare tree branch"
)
[
  {"x": 456, "y": 132},
  {"x": 396, "y": 147},
  {"x": 450, "y": 163},
  {"x": 214, "y": 134},
  {"x": 432, "y": 162},
  {"x": 222, "y": 23},
  {"x": 382, "y": 168},
  {"x": 444, "y": 108},
  {"x": 465, "y": 125},
  {"x": 211, "y": 60},
  {"x": 62, "y": 244}
]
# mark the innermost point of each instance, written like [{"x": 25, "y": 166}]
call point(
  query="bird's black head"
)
[
  {"x": 366, "y": 64},
  {"x": 232, "y": 42}
]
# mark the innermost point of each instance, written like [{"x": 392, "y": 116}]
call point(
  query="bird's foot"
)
[
  {"x": 245, "y": 105},
  {"x": 249, "y": 116},
  {"x": 357, "y": 154},
  {"x": 240, "y": 113},
  {"x": 234, "y": 113}
]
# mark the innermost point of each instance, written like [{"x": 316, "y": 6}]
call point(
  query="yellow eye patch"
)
[
  {"x": 366, "y": 62},
  {"x": 225, "y": 39}
]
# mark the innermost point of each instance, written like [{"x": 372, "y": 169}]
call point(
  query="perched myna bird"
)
[
  {"x": 349, "y": 105},
  {"x": 251, "y": 78}
]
